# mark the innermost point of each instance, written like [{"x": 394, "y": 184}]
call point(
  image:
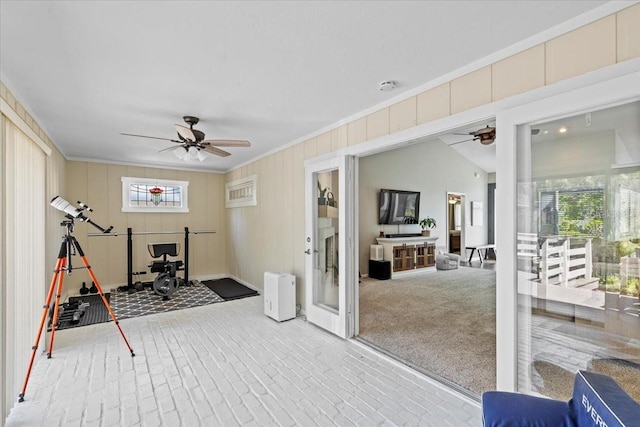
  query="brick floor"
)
[{"x": 228, "y": 364}]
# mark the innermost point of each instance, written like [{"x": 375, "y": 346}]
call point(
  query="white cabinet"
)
[
  {"x": 279, "y": 295},
  {"x": 409, "y": 254}
]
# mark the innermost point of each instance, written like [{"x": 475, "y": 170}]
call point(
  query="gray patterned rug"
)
[{"x": 126, "y": 305}]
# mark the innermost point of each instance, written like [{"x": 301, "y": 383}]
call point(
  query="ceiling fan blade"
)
[
  {"x": 460, "y": 142},
  {"x": 151, "y": 137},
  {"x": 216, "y": 151},
  {"x": 168, "y": 148},
  {"x": 227, "y": 143},
  {"x": 186, "y": 133}
]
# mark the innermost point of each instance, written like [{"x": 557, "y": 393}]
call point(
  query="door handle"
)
[{"x": 308, "y": 252}]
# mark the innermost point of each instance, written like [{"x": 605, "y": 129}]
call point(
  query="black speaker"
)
[{"x": 380, "y": 270}]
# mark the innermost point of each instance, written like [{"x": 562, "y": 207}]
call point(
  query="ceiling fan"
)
[
  {"x": 192, "y": 142},
  {"x": 486, "y": 136}
]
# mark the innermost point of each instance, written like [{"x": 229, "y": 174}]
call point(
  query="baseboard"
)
[
  {"x": 200, "y": 278},
  {"x": 204, "y": 277}
]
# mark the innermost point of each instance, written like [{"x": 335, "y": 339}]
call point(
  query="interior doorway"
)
[
  {"x": 455, "y": 230},
  {"x": 418, "y": 316}
]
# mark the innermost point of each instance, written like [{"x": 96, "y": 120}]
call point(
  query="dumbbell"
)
[{"x": 79, "y": 312}]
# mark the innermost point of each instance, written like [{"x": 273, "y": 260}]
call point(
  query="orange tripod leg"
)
[
  {"x": 104, "y": 299},
  {"x": 56, "y": 310},
  {"x": 56, "y": 273}
]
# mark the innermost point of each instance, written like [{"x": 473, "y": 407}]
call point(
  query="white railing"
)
[
  {"x": 557, "y": 261},
  {"x": 527, "y": 245},
  {"x": 629, "y": 268}
]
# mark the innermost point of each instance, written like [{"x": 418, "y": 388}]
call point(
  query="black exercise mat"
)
[
  {"x": 229, "y": 289},
  {"x": 96, "y": 312}
]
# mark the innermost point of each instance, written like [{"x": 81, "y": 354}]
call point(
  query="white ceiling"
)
[{"x": 270, "y": 72}]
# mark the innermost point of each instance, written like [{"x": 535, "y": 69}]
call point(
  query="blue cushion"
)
[
  {"x": 505, "y": 409},
  {"x": 599, "y": 401}
]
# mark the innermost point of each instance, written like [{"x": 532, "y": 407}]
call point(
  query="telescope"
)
[
  {"x": 68, "y": 248},
  {"x": 76, "y": 213}
]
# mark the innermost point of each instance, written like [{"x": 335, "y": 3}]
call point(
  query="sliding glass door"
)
[{"x": 578, "y": 250}]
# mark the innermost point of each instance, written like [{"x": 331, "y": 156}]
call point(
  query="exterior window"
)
[
  {"x": 154, "y": 195},
  {"x": 572, "y": 212}
]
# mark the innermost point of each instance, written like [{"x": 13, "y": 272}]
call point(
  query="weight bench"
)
[
  {"x": 597, "y": 401},
  {"x": 166, "y": 283}
]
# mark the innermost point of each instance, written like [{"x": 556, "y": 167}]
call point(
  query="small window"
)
[
  {"x": 154, "y": 195},
  {"x": 242, "y": 192}
]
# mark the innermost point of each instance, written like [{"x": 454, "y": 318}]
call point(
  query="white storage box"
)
[
  {"x": 279, "y": 295},
  {"x": 376, "y": 253}
]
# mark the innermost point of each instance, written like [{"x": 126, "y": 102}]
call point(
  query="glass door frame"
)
[
  {"x": 513, "y": 127},
  {"x": 340, "y": 322}
]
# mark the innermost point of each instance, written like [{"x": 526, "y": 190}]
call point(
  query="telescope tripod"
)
[{"x": 67, "y": 248}]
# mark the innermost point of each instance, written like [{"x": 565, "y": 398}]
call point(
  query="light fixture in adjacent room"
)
[
  {"x": 563, "y": 129},
  {"x": 453, "y": 200}
]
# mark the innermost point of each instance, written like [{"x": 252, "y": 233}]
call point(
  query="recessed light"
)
[
  {"x": 387, "y": 85},
  {"x": 563, "y": 129},
  {"x": 545, "y": 132}
]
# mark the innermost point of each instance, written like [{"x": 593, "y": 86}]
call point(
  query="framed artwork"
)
[{"x": 477, "y": 213}]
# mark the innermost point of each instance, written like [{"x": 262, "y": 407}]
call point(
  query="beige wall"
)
[
  {"x": 251, "y": 246},
  {"x": 269, "y": 236},
  {"x": 99, "y": 185},
  {"x": 55, "y": 171}
]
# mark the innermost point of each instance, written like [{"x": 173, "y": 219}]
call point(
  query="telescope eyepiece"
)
[{"x": 85, "y": 206}]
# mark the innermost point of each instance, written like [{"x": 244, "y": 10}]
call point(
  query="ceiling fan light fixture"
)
[
  {"x": 179, "y": 153},
  {"x": 193, "y": 145}
]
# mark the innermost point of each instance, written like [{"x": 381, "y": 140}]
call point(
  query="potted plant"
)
[
  {"x": 427, "y": 224},
  {"x": 321, "y": 194}
]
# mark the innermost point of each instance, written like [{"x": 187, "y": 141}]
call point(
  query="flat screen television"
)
[{"x": 398, "y": 207}]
